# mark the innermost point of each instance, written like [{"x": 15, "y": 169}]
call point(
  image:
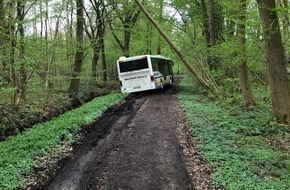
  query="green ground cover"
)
[
  {"x": 235, "y": 142},
  {"x": 20, "y": 155}
]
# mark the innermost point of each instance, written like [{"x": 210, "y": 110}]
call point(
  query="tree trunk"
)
[
  {"x": 75, "y": 81},
  {"x": 276, "y": 61},
  {"x": 206, "y": 33},
  {"x": 2, "y": 15},
  {"x": 69, "y": 33},
  {"x": 46, "y": 23},
  {"x": 103, "y": 56},
  {"x": 20, "y": 90},
  {"x": 148, "y": 39},
  {"x": 160, "y": 16},
  {"x": 212, "y": 29},
  {"x": 13, "y": 43},
  {"x": 127, "y": 38},
  {"x": 213, "y": 61},
  {"x": 41, "y": 19},
  {"x": 48, "y": 83},
  {"x": 96, "y": 32},
  {"x": 248, "y": 98},
  {"x": 95, "y": 62},
  {"x": 208, "y": 85},
  {"x": 128, "y": 16},
  {"x": 205, "y": 23}
]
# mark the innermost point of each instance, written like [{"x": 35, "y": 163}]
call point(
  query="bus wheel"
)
[
  {"x": 161, "y": 85},
  {"x": 170, "y": 82}
]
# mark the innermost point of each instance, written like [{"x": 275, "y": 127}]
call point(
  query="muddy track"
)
[
  {"x": 93, "y": 147},
  {"x": 135, "y": 146}
]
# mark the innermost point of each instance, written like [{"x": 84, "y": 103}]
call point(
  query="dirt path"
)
[
  {"x": 144, "y": 148},
  {"x": 146, "y": 154}
]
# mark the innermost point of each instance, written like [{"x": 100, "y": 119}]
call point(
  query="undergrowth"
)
[
  {"x": 19, "y": 155},
  {"x": 234, "y": 141},
  {"x": 40, "y": 106}
]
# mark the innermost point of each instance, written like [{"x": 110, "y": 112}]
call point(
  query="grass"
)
[
  {"x": 234, "y": 142},
  {"x": 19, "y": 154}
]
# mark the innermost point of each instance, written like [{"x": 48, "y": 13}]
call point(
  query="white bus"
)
[{"x": 145, "y": 72}]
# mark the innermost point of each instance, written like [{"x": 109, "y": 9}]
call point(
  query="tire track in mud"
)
[
  {"x": 94, "y": 147},
  {"x": 147, "y": 154}
]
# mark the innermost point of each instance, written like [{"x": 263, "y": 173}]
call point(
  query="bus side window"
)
[
  {"x": 170, "y": 65},
  {"x": 163, "y": 67},
  {"x": 155, "y": 65}
]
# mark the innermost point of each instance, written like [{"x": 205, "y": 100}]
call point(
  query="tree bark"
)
[
  {"x": 95, "y": 62},
  {"x": 13, "y": 43},
  {"x": 69, "y": 31},
  {"x": 75, "y": 81},
  {"x": 23, "y": 74},
  {"x": 276, "y": 61},
  {"x": 160, "y": 18},
  {"x": 195, "y": 73},
  {"x": 248, "y": 97},
  {"x": 213, "y": 61},
  {"x": 209, "y": 30},
  {"x": 46, "y": 23},
  {"x": 148, "y": 38},
  {"x": 127, "y": 38},
  {"x": 212, "y": 29},
  {"x": 103, "y": 57},
  {"x": 205, "y": 23},
  {"x": 41, "y": 19},
  {"x": 93, "y": 34},
  {"x": 1, "y": 36}
]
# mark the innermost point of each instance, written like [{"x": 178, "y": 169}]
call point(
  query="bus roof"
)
[{"x": 140, "y": 57}]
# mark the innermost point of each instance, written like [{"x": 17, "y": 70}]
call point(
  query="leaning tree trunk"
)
[
  {"x": 75, "y": 81},
  {"x": 248, "y": 98},
  {"x": 276, "y": 61},
  {"x": 207, "y": 84}
]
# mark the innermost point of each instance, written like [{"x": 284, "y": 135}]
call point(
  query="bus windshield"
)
[{"x": 133, "y": 65}]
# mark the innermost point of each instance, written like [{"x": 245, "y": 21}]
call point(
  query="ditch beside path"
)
[{"x": 148, "y": 146}]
